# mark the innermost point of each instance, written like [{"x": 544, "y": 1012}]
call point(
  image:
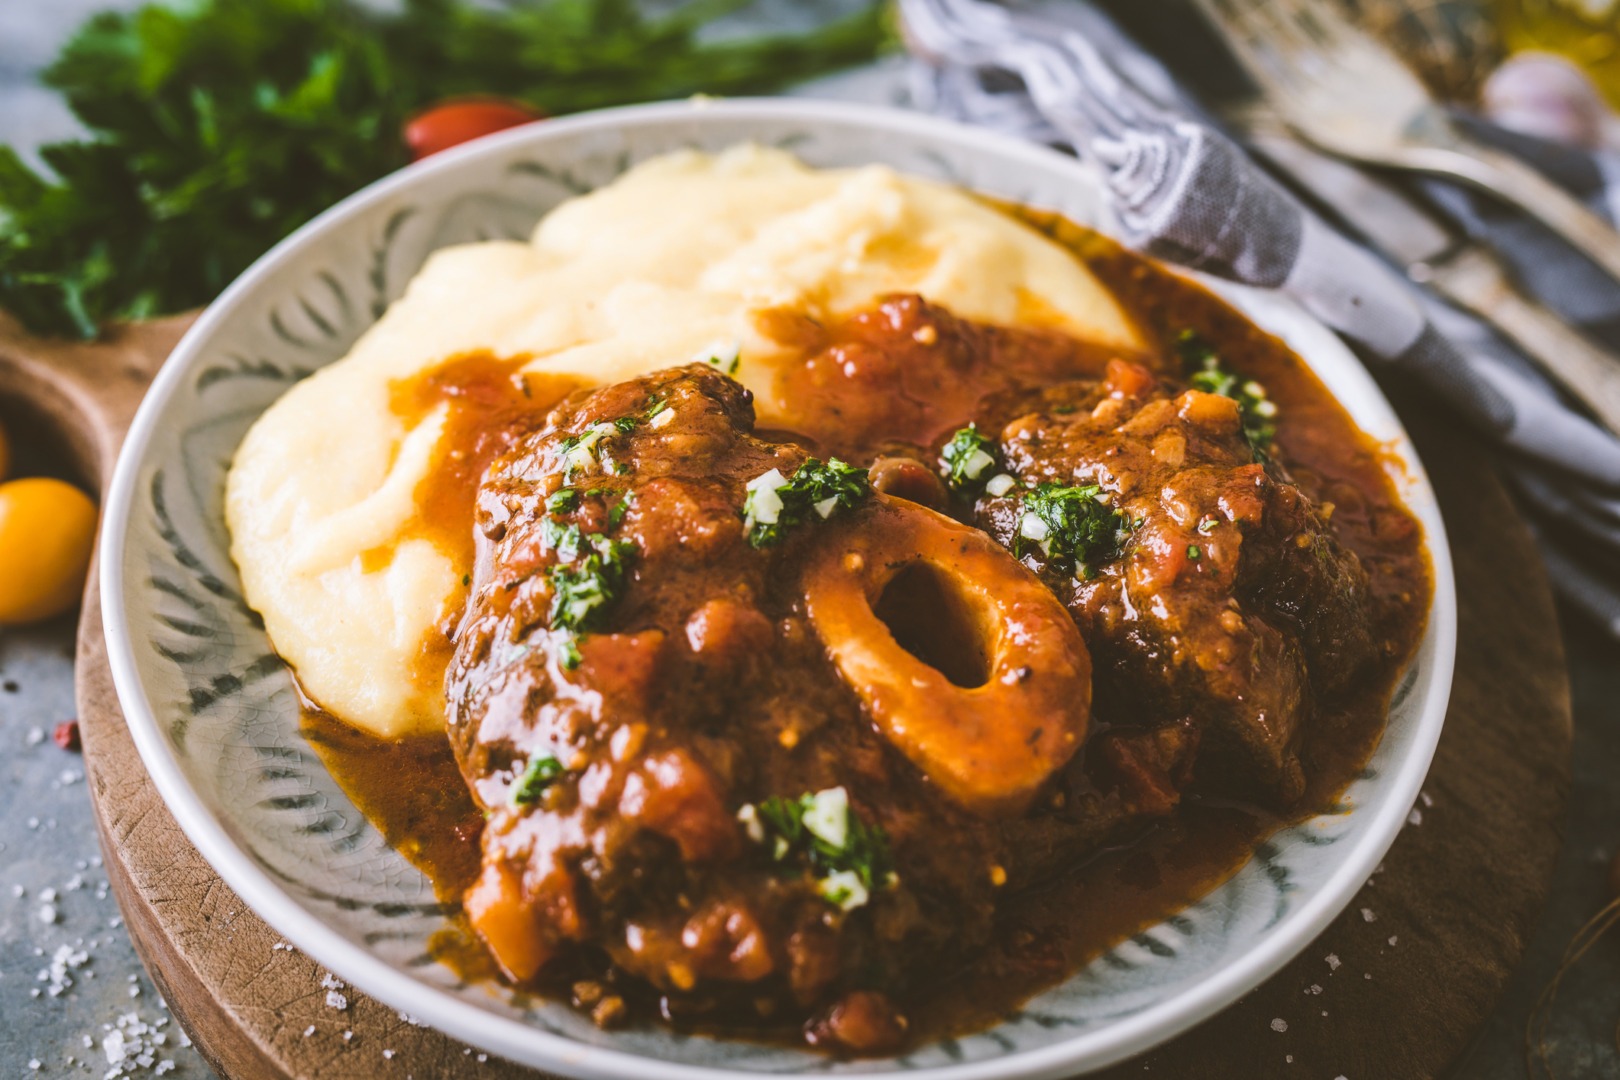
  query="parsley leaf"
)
[
  {"x": 1256, "y": 411},
  {"x": 584, "y": 591},
  {"x": 563, "y": 501},
  {"x": 592, "y": 447},
  {"x": 774, "y": 503},
  {"x": 219, "y": 126},
  {"x": 590, "y": 575},
  {"x": 1073, "y": 527},
  {"x": 968, "y": 458},
  {"x": 540, "y": 773},
  {"x": 727, "y": 356},
  {"x": 848, "y": 857}
]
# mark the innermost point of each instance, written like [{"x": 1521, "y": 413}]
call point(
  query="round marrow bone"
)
[{"x": 988, "y": 747}]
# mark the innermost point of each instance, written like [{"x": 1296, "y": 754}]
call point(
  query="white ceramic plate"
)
[{"x": 216, "y": 720}]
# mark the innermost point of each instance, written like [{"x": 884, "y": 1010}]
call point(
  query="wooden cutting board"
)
[{"x": 1417, "y": 960}]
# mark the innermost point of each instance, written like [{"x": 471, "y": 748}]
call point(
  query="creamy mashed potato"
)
[{"x": 664, "y": 264}]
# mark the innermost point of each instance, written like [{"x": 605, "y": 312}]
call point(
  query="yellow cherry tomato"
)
[
  {"x": 5, "y": 454},
  {"x": 47, "y": 529}
]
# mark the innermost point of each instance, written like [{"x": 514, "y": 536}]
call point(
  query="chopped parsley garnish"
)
[
  {"x": 727, "y": 356},
  {"x": 1194, "y": 552},
  {"x": 775, "y": 503},
  {"x": 847, "y": 857},
  {"x": 659, "y": 412},
  {"x": 969, "y": 458},
  {"x": 1074, "y": 527},
  {"x": 585, "y": 451},
  {"x": 1205, "y": 372},
  {"x": 591, "y": 572},
  {"x": 563, "y": 501},
  {"x": 583, "y": 591},
  {"x": 568, "y": 650},
  {"x": 539, "y": 774},
  {"x": 565, "y": 540}
]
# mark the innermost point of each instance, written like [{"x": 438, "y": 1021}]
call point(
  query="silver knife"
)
[{"x": 1458, "y": 268}]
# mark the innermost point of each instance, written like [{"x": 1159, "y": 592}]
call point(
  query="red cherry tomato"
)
[{"x": 452, "y": 123}]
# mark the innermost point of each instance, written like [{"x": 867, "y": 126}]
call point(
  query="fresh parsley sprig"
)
[
  {"x": 817, "y": 490},
  {"x": 219, "y": 126}
]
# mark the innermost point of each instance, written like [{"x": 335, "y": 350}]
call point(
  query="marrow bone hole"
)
[{"x": 931, "y": 618}]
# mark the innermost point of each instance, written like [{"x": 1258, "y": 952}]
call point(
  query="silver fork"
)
[{"x": 1343, "y": 91}]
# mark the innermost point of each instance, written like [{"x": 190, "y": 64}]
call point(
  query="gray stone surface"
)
[
  {"x": 47, "y": 839},
  {"x": 53, "y": 893}
]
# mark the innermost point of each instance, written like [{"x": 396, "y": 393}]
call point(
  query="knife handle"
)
[{"x": 1475, "y": 280}]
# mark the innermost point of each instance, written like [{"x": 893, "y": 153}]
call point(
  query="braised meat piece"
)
[
  {"x": 694, "y": 799},
  {"x": 1211, "y": 588}
]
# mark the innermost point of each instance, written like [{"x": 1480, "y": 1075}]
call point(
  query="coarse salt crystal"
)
[
  {"x": 335, "y": 1000},
  {"x": 65, "y": 959},
  {"x": 1279, "y": 1024},
  {"x": 1367, "y": 915},
  {"x": 1333, "y": 961}
]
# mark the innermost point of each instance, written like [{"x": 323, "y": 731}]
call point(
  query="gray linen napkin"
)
[{"x": 1181, "y": 191}]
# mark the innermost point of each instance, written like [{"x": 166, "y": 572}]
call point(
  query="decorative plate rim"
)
[{"x": 513, "y": 1039}]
